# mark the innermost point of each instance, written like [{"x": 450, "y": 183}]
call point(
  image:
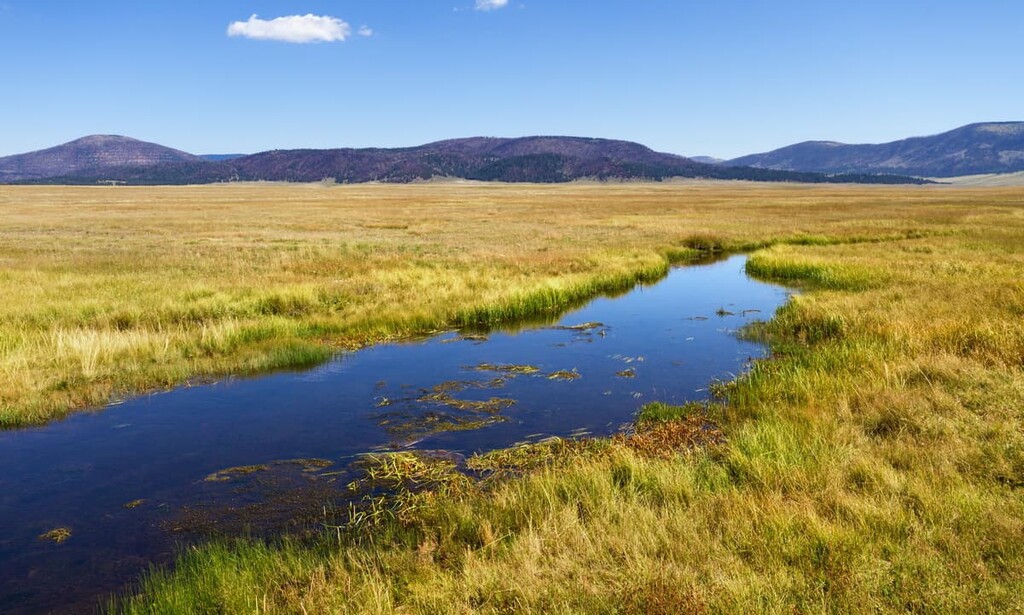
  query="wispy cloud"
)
[
  {"x": 490, "y": 5},
  {"x": 294, "y": 29},
  {"x": 365, "y": 31}
]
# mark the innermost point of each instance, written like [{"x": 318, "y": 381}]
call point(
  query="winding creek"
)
[{"x": 133, "y": 482}]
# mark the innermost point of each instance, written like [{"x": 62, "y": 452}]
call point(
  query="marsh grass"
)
[
  {"x": 112, "y": 292},
  {"x": 873, "y": 464},
  {"x": 658, "y": 412}
]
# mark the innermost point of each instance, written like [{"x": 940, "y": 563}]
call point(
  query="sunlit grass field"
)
[
  {"x": 114, "y": 291},
  {"x": 874, "y": 464}
]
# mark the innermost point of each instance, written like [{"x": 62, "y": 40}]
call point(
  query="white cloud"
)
[
  {"x": 293, "y": 29},
  {"x": 365, "y": 31},
  {"x": 490, "y": 5}
]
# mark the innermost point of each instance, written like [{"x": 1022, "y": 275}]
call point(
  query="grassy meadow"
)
[
  {"x": 110, "y": 292},
  {"x": 875, "y": 463}
]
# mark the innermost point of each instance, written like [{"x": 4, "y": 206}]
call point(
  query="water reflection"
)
[{"x": 127, "y": 481}]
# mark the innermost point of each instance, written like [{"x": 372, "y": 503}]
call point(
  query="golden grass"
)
[
  {"x": 875, "y": 464},
  {"x": 113, "y": 291}
]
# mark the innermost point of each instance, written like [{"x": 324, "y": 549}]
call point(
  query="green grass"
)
[{"x": 657, "y": 412}]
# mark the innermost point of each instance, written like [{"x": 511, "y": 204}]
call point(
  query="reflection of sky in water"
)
[{"x": 80, "y": 472}]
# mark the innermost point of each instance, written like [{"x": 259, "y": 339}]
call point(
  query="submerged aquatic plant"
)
[
  {"x": 305, "y": 465},
  {"x": 586, "y": 326},
  {"x": 229, "y": 473}
]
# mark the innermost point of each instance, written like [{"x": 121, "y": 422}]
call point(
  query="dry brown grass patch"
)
[{"x": 668, "y": 438}]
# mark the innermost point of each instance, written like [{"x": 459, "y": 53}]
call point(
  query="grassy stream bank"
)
[{"x": 874, "y": 464}]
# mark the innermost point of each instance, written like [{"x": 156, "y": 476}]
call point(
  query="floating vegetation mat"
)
[
  {"x": 442, "y": 407},
  {"x": 492, "y": 405},
  {"x": 437, "y": 409},
  {"x": 565, "y": 374},
  {"x": 507, "y": 368},
  {"x": 57, "y": 535},
  {"x": 410, "y": 427}
]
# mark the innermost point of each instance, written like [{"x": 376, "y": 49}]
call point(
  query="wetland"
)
[
  {"x": 256, "y": 456},
  {"x": 873, "y": 464}
]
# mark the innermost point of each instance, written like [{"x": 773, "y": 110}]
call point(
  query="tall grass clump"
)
[{"x": 779, "y": 264}]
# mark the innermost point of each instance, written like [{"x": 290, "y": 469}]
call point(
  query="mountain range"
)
[
  {"x": 108, "y": 158},
  {"x": 991, "y": 147},
  {"x": 995, "y": 147}
]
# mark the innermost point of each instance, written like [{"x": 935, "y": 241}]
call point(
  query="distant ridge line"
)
[
  {"x": 974, "y": 149},
  {"x": 538, "y": 159}
]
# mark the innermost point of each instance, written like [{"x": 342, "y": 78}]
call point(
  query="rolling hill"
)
[
  {"x": 89, "y": 156},
  {"x": 992, "y": 147}
]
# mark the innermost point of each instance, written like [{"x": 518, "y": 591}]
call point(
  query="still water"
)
[{"x": 130, "y": 482}]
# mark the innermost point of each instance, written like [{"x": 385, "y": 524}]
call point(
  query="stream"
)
[{"x": 134, "y": 481}]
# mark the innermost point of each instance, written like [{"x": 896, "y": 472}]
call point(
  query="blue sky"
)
[{"x": 722, "y": 78}]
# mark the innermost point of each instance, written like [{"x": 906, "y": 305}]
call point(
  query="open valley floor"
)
[{"x": 873, "y": 462}]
